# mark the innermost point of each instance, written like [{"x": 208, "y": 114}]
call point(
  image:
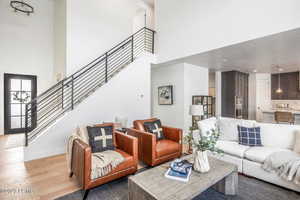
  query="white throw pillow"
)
[
  {"x": 83, "y": 134},
  {"x": 297, "y": 142},
  {"x": 278, "y": 135},
  {"x": 206, "y": 126},
  {"x": 228, "y": 127}
]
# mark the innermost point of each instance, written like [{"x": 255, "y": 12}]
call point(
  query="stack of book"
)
[{"x": 179, "y": 170}]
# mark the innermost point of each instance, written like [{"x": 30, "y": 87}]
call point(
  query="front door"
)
[{"x": 18, "y": 90}]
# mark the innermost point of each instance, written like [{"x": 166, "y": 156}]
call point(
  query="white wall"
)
[
  {"x": 259, "y": 94},
  {"x": 26, "y": 45},
  {"x": 187, "y": 80},
  {"x": 252, "y": 96},
  {"x": 60, "y": 45},
  {"x": 218, "y": 93},
  {"x": 95, "y": 26},
  {"x": 139, "y": 18},
  {"x": 192, "y": 26},
  {"x": 171, "y": 115},
  {"x": 127, "y": 95},
  {"x": 195, "y": 83}
]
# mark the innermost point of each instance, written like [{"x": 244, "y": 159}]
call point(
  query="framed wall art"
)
[{"x": 165, "y": 95}]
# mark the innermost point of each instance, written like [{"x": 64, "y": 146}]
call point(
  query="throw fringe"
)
[
  {"x": 285, "y": 164},
  {"x": 104, "y": 162}
]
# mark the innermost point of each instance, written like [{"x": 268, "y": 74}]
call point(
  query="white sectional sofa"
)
[{"x": 275, "y": 137}]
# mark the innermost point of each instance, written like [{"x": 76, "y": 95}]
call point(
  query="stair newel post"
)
[
  {"x": 72, "y": 93},
  {"x": 26, "y": 124},
  {"x": 132, "y": 51},
  {"x": 106, "y": 67}
]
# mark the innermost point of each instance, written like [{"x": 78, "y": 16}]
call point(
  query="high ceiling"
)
[{"x": 261, "y": 55}]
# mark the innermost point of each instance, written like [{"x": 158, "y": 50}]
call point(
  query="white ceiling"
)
[{"x": 263, "y": 55}]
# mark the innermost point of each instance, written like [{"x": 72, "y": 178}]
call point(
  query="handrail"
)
[{"x": 70, "y": 91}]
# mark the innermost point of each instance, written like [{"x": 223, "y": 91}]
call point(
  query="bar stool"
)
[{"x": 286, "y": 117}]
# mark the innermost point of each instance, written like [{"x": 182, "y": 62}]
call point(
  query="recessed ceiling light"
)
[
  {"x": 280, "y": 69},
  {"x": 224, "y": 60},
  {"x": 254, "y": 70}
]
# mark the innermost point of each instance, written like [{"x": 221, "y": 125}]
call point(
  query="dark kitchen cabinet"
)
[
  {"x": 235, "y": 94},
  {"x": 289, "y": 83}
]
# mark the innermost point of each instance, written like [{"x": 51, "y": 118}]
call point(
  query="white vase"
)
[{"x": 201, "y": 163}]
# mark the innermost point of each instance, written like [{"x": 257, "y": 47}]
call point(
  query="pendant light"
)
[
  {"x": 21, "y": 6},
  {"x": 279, "y": 90}
]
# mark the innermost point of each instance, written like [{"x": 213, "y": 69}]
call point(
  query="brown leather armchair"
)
[
  {"x": 81, "y": 161},
  {"x": 154, "y": 152}
]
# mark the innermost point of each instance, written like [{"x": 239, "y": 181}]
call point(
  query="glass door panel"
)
[{"x": 18, "y": 90}]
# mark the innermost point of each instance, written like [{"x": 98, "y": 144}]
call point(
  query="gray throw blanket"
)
[
  {"x": 286, "y": 164},
  {"x": 102, "y": 162}
]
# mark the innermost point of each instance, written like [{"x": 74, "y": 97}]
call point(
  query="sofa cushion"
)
[
  {"x": 278, "y": 135},
  {"x": 166, "y": 147},
  {"x": 228, "y": 127},
  {"x": 128, "y": 161},
  {"x": 205, "y": 126},
  {"x": 259, "y": 154},
  {"x": 249, "y": 136},
  {"x": 232, "y": 148}
]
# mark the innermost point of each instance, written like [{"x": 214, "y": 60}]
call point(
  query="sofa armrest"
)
[
  {"x": 81, "y": 162},
  {"x": 147, "y": 144},
  {"x": 127, "y": 144},
  {"x": 174, "y": 134}
]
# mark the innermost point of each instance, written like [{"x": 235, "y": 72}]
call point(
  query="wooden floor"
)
[
  {"x": 39, "y": 179},
  {"x": 43, "y": 179}
]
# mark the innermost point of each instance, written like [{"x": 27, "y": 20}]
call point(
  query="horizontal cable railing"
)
[{"x": 44, "y": 110}]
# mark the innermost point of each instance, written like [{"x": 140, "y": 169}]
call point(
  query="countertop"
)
[{"x": 295, "y": 112}]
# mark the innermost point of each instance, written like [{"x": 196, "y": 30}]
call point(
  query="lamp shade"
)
[{"x": 196, "y": 110}]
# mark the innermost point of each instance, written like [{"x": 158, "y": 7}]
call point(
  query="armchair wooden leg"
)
[
  {"x": 71, "y": 174},
  {"x": 86, "y": 194}
]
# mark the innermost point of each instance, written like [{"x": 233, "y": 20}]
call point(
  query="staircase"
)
[{"x": 64, "y": 96}]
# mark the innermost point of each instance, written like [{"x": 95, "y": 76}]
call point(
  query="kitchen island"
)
[{"x": 268, "y": 115}]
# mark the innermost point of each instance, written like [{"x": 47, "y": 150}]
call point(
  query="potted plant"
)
[
  {"x": 202, "y": 146},
  {"x": 188, "y": 139}
]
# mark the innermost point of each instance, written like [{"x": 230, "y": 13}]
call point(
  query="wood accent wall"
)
[{"x": 289, "y": 83}]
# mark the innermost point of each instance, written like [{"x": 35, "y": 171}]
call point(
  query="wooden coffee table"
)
[{"x": 152, "y": 184}]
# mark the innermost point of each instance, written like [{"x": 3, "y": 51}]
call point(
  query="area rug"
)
[{"x": 249, "y": 189}]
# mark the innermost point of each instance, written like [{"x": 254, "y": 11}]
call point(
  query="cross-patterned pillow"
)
[
  {"x": 155, "y": 128},
  {"x": 101, "y": 138},
  {"x": 249, "y": 136}
]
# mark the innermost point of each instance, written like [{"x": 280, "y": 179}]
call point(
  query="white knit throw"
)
[{"x": 286, "y": 164}]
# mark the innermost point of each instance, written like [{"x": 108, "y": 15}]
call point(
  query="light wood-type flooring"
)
[{"x": 45, "y": 178}]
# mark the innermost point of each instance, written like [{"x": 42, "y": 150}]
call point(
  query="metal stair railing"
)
[{"x": 45, "y": 109}]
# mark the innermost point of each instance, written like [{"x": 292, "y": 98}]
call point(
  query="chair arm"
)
[
  {"x": 127, "y": 144},
  {"x": 81, "y": 162},
  {"x": 174, "y": 134},
  {"x": 147, "y": 142}
]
